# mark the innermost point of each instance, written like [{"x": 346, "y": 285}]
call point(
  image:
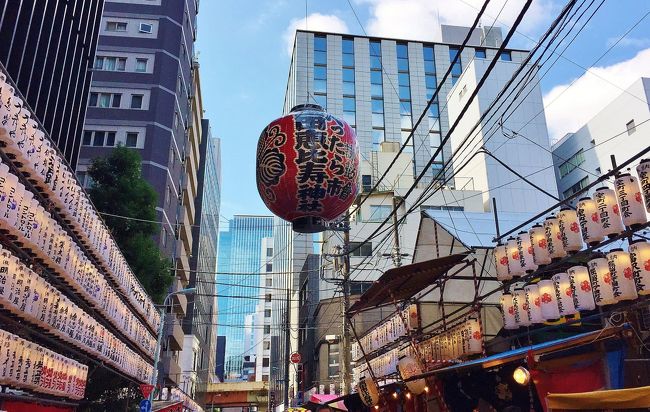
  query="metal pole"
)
[
  {"x": 496, "y": 216},
  {"x": 397, "y": 253},
  {"x": 156, "y": 357},
  {"x": 287, "y": 350},
  {"x": 346, "y": 350}
]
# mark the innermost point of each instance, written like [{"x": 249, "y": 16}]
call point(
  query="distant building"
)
[
  {"x": 620, "y": 129},
  {"x": 263, "y": 311},
  {"x": 220, "y": 358},
  {"x": 238, "y": 268},
  {"x": 48, "y": 49}
]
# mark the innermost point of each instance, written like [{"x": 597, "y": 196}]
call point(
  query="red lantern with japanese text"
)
[{"x": 307, "y": 167}]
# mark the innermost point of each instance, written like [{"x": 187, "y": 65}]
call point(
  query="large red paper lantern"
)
[{"x": 307, "y": 167}]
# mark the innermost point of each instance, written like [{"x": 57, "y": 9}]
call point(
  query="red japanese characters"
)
[{"x": 307, "y": 167}]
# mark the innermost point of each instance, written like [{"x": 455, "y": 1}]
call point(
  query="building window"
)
[
  {"x": 379, "y": 213},
  {"x": 404, "y": 85},
  {"x": 141, "y": 65},
  {"x": 320, "y": 71},
  {"x": 265, "y": 362},
  {"x": 359, "y": 249},
  {"x": 269, "y": 252},
  {"x": 359, "y": 288},
  {"x": 136, "y": 101},
  {"x": 98, "y": 138},
  {"x": 349, "y": 103},
  {"x": 131, "y": 139},
  {"x": 333, "y": 360},
  {"x": 377, "y": 95},
  {"x": 110, "y": 63},
  {"x": 452, "y": 208},
  {"x": 576, "y": 188},
  {"x": 269, "y": 267},
  {"x": 269, "y": 282},
  {"x": 267, "y": 297},
  {"x": 146, "y": 28},
  {"x": 479, "y": 53},
  {"x": 572, "y": 163},
  {"x": 506, "y": 56},
  {"x": 631, "y": 127},
  {"x": 105, "y": 100},
  {"x": 457, "y": 68},
  {"x": 267, "y": 329},
  {"x": 267, "y": 313},
  {"x": 115, "y": 26},
  {"x": 168, "y": 195},
  {"x": 266, "y": 345},
  {"x": 366, "y": 183}
]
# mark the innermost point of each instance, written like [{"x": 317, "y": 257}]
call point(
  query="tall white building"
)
[
  {"x": 620, "y": 129},
  {"x": 262, "y": 340}
]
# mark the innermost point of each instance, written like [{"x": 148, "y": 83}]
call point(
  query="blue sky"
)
[{"x": 242, "y": 47}]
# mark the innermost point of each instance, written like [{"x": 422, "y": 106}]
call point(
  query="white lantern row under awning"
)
[
  {"x": 29, "y": 366},
  {"x": 393, "y": 328},
  {"x": 39, "y": 159},
  {"x": 30, "y": 297}
]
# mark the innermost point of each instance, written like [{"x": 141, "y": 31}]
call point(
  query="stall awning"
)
[
  {"x": 612, "y": 399},
  {"x": 405, "y": 282},
  {"x": 167, "y": 406},
  {"x": 538, "y": 349},
  {"x": 332, "y": 401}
]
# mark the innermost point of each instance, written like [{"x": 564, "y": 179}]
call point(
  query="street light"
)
[{"x": 161, "y": 308}]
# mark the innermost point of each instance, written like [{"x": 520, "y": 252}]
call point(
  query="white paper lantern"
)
[
  {"x": 475, "y": 336},
  {"x": 643, "y": 170},
  {"x": 609, "y": 212},
  {"x": 521, "y": 308},
  {"x": 569, "y": 230},
  {"x": 514, "y": 265},
  {"x": 540, "y": 245},
  {"x": 620, "y": 266},
  {"x": 601, "y": 282},
  {"x": 501, "y": 262},
  {"x": 533, "y": 303},
  {"x": 526, "y": 257},
  {"x": 564, "y": 293},
  {"x": 640, "y": 259},
  {"x": 553, "y": 238},
  {"x": 409, "y": 367},
  {"x": 589, "y": 219},
  {"x": 630, "y": 199},
  {"x": 548, "y": 300},
  {"x": 368, "y": 391},
  {"x": 508, "y": 311}
]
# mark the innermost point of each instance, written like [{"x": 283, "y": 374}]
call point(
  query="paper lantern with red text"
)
[{"x": 307, "y": 167}]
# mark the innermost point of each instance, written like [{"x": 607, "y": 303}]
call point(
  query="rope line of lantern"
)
[
  {"x": 31, "y": 149},
  {"x": 28, "y": 366},
  {"x": 25, "y": 219}
]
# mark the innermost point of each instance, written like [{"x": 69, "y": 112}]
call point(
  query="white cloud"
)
[
  {"x": 635, "y": 42},
  {"x": 569, "y": 108},
  {"x": 315, "y": 21},
  {"x": 421, "y": 19}
]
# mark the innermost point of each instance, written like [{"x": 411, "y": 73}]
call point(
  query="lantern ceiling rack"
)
[
  {"x": 54, "y": 212},
  {"x": 70, "y": 230},
  {"x": 74, "y": 297}
]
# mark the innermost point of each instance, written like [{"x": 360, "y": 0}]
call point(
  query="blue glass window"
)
[
  {"x": 429, "y": 67},
  {"x": 321, "y": 100},
  {"x": 348, "y": 87},
  {"x": 404, "y": 93},
  {"x": 377, "y": 120},
  {"x": 402, "y": 51},
  {"x": 377, "y": 106},
  {"x": 348, "y": 60},
  {"x": 320, "y": 72},
  {"x": 347, "y": 46},
  {"x": 375, "y": 48},
  {"x": 506, "y": 56},
  {"x": 348, "y": 75},
  {"x": 320, "y": 43},
  {"x": 349, "y": 104},
  {"x": 479, "y": 53},
  {"x": 376, "y": 90},
  {"x": 428, "y": 53},
  {"x": 430, "y": 82},
  {"x": 320, "y": 57},
  {"x": 375, "y": 62},
  {"x": 403, "y": 79},
  {"x": 320, "y": 86},
  {"x": 375, "y": 77}
]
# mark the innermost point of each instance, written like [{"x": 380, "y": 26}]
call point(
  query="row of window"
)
[
  {"x": 121, "y": 26},
  {"x": 572, "y": 163},
  {"x": 114, "y": 100},
  {"x": 118, "y": 64},
  {"x": 101, "y": 138}
]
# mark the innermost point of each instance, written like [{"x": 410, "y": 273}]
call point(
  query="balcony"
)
[
  {"x": 179, "y": 301},
  {"x": 186, "y": 234},
  {"x": 174, "y": 332},
  {"x": 188, "y": 203},
  {"x": 171, "y": 370},
  {"x": 182, "y": 266}
]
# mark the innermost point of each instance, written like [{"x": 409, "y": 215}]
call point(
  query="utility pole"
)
[
  {"x": 397, "y": 253},
  {"x": 346, "y": 350},
  {"x": 287, "y": 349}
]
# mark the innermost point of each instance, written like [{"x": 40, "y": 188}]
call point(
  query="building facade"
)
[
  {"x": 619, "y": 129},
  {"x": 238, "y": 269},
  {"x": 262, "y": 324},
  {"x": 48, "y": 49},
  {"x": 146, "y": 95}
]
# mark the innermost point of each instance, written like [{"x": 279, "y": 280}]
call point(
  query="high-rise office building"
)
[
  {"x": 263, "y": 324},
  {"x": 48, "y": 49},
  {"x": 238, "y": 268},
  {"x": 199, "y": 324},
  {"x": 146, "y": 95}
]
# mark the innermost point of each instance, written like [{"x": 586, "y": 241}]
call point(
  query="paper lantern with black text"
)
[
  {"x": 514, "y": 265},
  {"x": 553, "y": 238},
  {"x": 630, "y": 199},
  {"x": 508, "y": 311},
  {"x": 548, "y": 300},
  {"x": 640, "y": 259},
  {"x": 569, "y": 230},
  {"x": 564, "y": 294},
  {"x": 501, "y": 262},
  {"x": 409, "y": 367},
  {"x": 540, "y": 245},
  {"x": 608, "y": 211},
  {"x": 620, "y": 266},
  {"x": 526, "y": 257},
  {"x": 533, "y": 303},
  {"x": 589, "y": 219},
  {"x": 643, "y": 170},
  {"x": 601, "y": 281},
  {"x": 521, "y": 307},
  {"x": 368, "y": 391}
]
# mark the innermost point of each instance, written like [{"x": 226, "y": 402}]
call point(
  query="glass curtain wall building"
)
[{"x": 238, "y": 294}]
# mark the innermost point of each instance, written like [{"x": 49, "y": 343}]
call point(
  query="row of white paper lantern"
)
[
  {"x": 594, "y": 219},
  {"x": 382, "y": 365},
  {"x": 189, "y": 403},
  {"x": 607, "y": 279},
  {"x": 32, "y": 298},
  {"x": 463, "y": 340},
  {"x": 22, "y": 216},
  {"x": 29, "y": 366},
  {"x": 38, "y": 158},
  {"x": 388, "y": 331}
]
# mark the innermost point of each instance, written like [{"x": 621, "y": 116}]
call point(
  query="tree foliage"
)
[{"x": 119, "y": 189}]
